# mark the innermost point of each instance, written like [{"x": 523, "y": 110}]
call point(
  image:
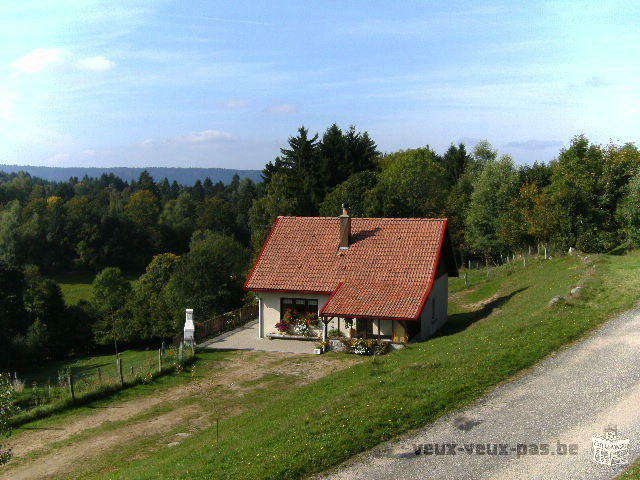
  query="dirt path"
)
[{"x": 234, "y": 377}]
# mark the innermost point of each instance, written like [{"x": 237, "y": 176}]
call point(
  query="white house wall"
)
[
  {"x": 431, "y": 320},
  {"x": 270, "y": 305}
]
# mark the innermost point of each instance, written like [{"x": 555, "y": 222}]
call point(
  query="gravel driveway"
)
[{"x": 567, "y": 398}]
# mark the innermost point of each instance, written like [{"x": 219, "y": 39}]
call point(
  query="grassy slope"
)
[
  {"x": 88, "y": 366},
  {"x": 96, "y": 377},
  {"x": 316, "y": 426},
  {"x": 633, "y": 473},
  {"x": 77, "y": 286},
  {"x": 206, "y": 359}
]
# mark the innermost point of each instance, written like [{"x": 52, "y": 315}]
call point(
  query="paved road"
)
[
  {"x": 567, "y": 398},
  {"x": 246, "y": 338}
]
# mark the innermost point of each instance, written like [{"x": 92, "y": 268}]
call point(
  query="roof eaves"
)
[{"x": 433, "y": 277}]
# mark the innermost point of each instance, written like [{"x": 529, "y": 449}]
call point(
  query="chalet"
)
[{"x": 365, "y": 277}]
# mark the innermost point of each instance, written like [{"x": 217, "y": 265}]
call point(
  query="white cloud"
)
[
  {"x": 41, "y": 59},
  {"x": 192, "y": 138},
  {"x": 233, "y": 103},
  {"x": 206, "y": 148},
  {"x": 46, "y": 59},
  {"x": 597, "y": 82},
  {"x": 95, "y": 64},
  {"x": 203, "y": 136},
  {"x": 283, "y": 108}
]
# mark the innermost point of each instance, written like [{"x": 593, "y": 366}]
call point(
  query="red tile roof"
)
[{"x": 387, "y": 271}]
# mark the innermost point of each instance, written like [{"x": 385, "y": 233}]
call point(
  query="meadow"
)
[{"x": 501, "y": 324}]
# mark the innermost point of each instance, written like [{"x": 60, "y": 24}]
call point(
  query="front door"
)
[{"x": 364, "y": 328}]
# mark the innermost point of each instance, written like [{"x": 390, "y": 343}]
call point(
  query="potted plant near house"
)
[{"x": 321, "y": 347}]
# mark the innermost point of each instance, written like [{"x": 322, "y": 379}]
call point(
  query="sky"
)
[{"x": 224, "y": 84}]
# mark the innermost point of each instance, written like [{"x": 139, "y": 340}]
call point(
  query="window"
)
[{"x": 299, "y": 305}]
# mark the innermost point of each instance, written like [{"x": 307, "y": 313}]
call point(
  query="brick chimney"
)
[{"x": 345, "y": 227}]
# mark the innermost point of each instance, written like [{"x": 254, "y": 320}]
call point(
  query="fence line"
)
[
  {"x": 35, "y": 392},
  {"x": 221, "y": 323}
]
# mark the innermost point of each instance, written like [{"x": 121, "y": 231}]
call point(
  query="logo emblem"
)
[{"x": 610, "y": 449}]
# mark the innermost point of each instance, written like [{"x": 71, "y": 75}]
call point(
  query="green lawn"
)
[
  {"x": 204, "y": 360},
  {"x": 77, "y": 286},
  {"x": 296, "y": 432},
  {"x": 284, "y": 430},
  {"x": 89, "y": 365},
  {"x": 633, "y": 473},
  {"x": 45, "y": 390}
]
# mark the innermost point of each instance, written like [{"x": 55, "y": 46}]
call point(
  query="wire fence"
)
[{"x": 72, "y": 383}]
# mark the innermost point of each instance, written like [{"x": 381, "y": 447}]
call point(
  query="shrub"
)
[
  {"x": 335, "y": 333},
  {"x": 361, "y": 346}
]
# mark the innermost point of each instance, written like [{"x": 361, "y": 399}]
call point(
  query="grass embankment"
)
[
  {"x": 633, "y": 473},
  {"x": 497, "y": 327},
  {"x": 46, "y": 391},
  {"x": 77, "y": 286}
]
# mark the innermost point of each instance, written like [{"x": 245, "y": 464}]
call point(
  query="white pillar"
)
[
  {"x": 260, "y": 319},
  {"x": 189, "y": 327}
]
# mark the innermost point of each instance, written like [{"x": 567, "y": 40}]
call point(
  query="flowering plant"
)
[
  {"x": 300, "y": 328},
  {"x": 311, "y": 319},
  {"x": 361, "y": 346},
  {"x": 295, "y": 323}
]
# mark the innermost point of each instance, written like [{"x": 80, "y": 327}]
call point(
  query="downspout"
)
[{"x": 260, "y": 319}]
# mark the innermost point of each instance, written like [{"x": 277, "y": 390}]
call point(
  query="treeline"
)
[
  {"x": 90, "y": 224},
  {"x": 195, "y": 243},
  {"x": 587, "y": 198}
]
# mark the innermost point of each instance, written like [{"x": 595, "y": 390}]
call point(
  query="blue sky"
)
[{"x": 223, "y": 84}]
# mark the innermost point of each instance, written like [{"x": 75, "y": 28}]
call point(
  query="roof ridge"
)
[{"x": 370, "y": 218}]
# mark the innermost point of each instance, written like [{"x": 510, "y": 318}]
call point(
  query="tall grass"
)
[{"x": 40, "y": 400}]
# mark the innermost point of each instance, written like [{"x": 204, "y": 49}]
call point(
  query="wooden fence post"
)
[
  {"x": 160, "y": 360},
  {"x": 120, "y": 372},
  {"x": 466, "y": 279},
  {"x": 71, "y": 391},
  {"x": 99, "y": 376},
  {"x": 131, "y": 371}
]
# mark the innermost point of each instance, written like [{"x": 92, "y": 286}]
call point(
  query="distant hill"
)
[{"x": 184, "y": 176}]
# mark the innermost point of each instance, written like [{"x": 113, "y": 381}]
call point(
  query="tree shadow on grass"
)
[{"x": 459, "y": 322}]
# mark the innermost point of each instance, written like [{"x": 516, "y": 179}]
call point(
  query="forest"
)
[{"x": 193, "y": 245}]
